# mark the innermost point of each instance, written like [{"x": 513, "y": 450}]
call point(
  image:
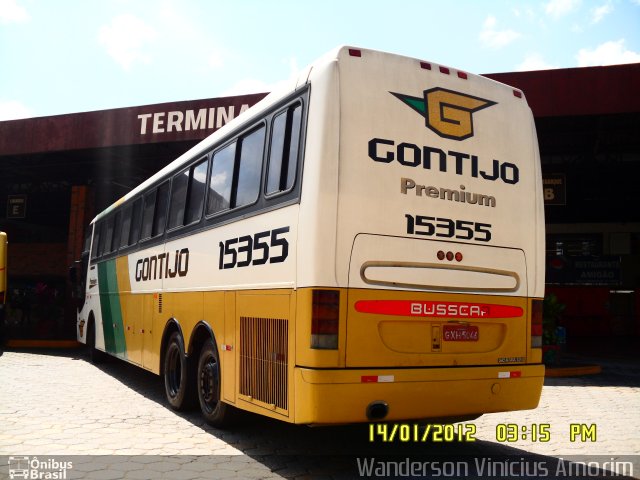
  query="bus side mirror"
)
[
  {"x": 76, "y": 282},
  {"x": 73, "y": 274}
]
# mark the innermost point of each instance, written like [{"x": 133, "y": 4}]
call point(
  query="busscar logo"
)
[{"x": 446, "y": 112}]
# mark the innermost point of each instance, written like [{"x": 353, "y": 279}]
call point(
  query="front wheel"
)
[
  {"x": 214, "y": 410},
  {"x": 176, "y": 374},
  {"x": 94, "y": 355}
]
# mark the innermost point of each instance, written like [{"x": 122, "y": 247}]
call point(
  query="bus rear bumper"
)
[{"x": 343, "y": 396}]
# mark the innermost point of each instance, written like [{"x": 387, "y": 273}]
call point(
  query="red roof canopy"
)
[{"x": 578, "y": 91}]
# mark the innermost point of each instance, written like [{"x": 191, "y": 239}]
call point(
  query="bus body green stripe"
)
[{"x": 112, "y": 324}]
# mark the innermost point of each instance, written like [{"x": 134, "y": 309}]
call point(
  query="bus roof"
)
[{"x": 283, "y": 89}]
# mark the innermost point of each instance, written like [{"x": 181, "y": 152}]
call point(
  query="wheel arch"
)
[
  {"x": 172, "y": 325},
  {"x": 201, "y": 333}
]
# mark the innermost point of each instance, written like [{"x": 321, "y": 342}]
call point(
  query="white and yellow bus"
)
[{"x": 364, "y": 246}]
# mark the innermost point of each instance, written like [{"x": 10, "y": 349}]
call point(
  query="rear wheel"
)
[
  {"x": 176, "y": 374},
  {"x": 214, "y": 410}
]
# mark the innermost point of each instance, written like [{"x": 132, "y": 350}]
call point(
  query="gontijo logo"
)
[{"x": 446, "y": 112}]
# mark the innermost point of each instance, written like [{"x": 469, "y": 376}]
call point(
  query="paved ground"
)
[{"x": 57, "y": 404}]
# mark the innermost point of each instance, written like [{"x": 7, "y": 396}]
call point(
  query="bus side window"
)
[
  {"x": 96, "y": 241},
  {"x": 126, "y": 227},
  {"x": 101, "y": 239},
  {"x": 117, "y": 231},
  {"x": 147, "y": 215},
  {"x": 221, "y": 179},
  {"x": 160, "y": 217},
  {"x": 108, "y": 236},
  {"x": 179, "y": 187},
  {"x": 283, "y": 156},
  {"x": 195, "y": 198},
  {"x": 136, "y": 217},
  {"x": 249, "y": 168},
  {"x": 187, "y": 195}
]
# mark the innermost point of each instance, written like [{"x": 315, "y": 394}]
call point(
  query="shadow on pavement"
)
[{"x": 293, "y": 451}]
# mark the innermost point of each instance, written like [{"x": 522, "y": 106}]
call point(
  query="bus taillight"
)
[
  {"x": 536, "y": 323},
  {"x": 325, "y": 318}
]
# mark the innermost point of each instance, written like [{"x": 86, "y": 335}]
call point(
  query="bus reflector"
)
[
  {"x": 354, "y": 52},
  {"x": 377, "y": 379},
  {"x": 425, "y": 65},
  {"x": 516, "y": 374},
  {"x": 517, "y": 93},
  {"x": 325, "y": 316},
  {"x": 536, "y": 324},
  {"x": 462, "y": 75},
  {"x": 444, "y": 70}
]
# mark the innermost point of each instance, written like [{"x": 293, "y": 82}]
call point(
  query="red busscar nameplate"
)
[{"x": 415, "y": 308}]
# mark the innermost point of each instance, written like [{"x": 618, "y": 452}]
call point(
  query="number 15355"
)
[{"x": 448, "y": 228}]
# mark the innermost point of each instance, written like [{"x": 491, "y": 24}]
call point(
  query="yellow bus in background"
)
[
  {"x": 366, "y": 244},
  {"x": 3, "y": 284}
]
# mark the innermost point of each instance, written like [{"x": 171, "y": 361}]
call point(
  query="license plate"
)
[{"x": 460, "y": 333}]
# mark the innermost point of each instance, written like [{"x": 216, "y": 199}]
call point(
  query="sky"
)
[{"x": 66, "y": 56}]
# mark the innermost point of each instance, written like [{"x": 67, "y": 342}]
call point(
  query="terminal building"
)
[{"x": 57, "y": 172}]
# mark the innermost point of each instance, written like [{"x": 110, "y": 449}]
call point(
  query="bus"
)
[{"x": 364, "y": 245}]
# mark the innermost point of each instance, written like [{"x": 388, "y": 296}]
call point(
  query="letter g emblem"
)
[
  {"x": 446, "y": 112},
  {"x": 449, "y": 113}
]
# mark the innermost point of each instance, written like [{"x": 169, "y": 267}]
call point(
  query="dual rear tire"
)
[
  {"x": 184, "y": 382},
  {"x": 178, "y": 387},
  {"x": 214, "y": 410}
]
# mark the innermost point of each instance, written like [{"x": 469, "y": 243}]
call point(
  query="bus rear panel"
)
[{"x": 433, "y": 243}]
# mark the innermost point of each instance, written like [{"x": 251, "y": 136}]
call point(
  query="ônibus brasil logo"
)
[{"x": 446, "y": 112}]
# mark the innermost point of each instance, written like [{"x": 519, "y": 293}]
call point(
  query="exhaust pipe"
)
[{"x": 377, "y": 410}]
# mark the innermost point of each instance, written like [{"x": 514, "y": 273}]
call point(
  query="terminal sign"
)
[{"x": 185, "y": 120}]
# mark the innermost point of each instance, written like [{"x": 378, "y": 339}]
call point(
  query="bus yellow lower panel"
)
[{"x": 342, "y": 396}]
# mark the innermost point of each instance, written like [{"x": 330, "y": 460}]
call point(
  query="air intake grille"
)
[{"x": 264, "y": 360}]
